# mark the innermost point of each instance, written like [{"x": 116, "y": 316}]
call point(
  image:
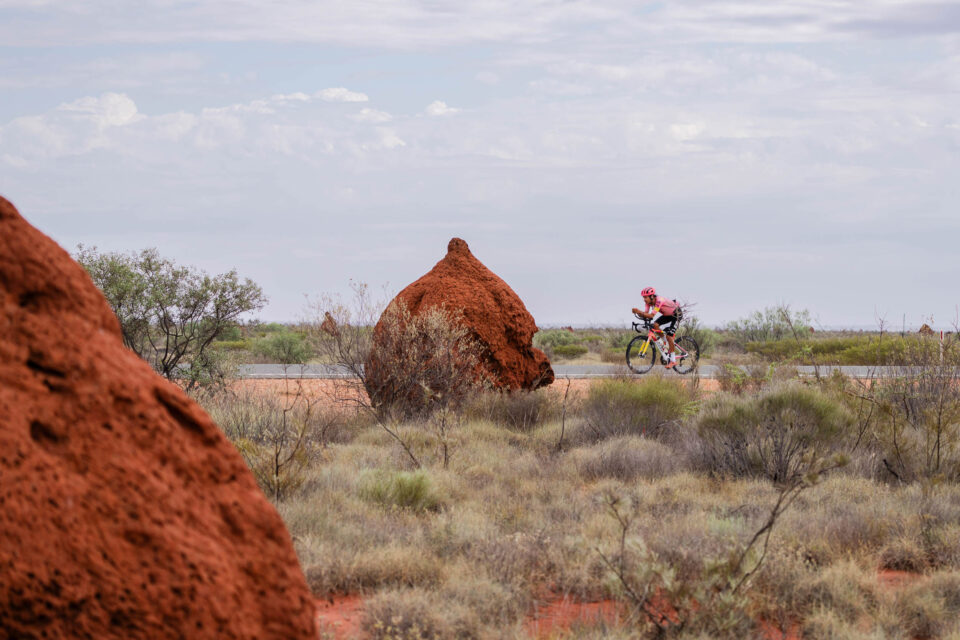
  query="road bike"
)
[{"x": 644, "y": 349}]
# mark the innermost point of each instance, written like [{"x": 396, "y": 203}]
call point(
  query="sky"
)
[{"x": 733, "y": 154}]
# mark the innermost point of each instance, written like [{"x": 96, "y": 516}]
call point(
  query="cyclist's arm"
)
[{"x": 644, "y": 314}]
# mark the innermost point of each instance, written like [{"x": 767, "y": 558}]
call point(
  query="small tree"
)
[
  {"x": 170, "y": 315},
  {"x": 284, "y": 347},
  {"x": 400, "y": 365}
]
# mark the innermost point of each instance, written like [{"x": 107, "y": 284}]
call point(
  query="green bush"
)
[
  {"x": 782, "y": 433},
  {"x": 404, "y": 489},
  {"x": 284, "y": 347},
  {"x": 620, "y": 407},
  {"x": 620, "y": 340},
  {"x": 230, "y": 333},
  {"x": 569, "y": 350},
  {"x": 552, "y": 338},
  {"x": 706, "y": 337}
]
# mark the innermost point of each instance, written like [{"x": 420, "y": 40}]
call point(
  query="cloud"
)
[
  {"x": 408, "y": 24},
  {"x": 487, "y": 77},
  {"x": 295, "y": 124},
  {"x": 339, "y": 94},
  {"x": 72, "y": 128},
  {"x": 371, "y": 115},
  {"x": 440, "y": 108}
]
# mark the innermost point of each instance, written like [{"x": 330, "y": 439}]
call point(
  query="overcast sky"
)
[{"x": 735, "y": 154}]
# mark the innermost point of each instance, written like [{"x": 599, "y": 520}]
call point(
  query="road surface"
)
[{"x": 323, "y": 371}]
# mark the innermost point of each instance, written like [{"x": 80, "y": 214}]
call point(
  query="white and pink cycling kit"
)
[
  {"x": 664, "y": 305},
  {"x": 669, "y": 318}
]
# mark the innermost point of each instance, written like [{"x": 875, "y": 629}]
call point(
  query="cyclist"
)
[{"x": 670, "y": 315}]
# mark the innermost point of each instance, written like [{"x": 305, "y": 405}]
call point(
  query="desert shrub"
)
[
  {"x": 613, "y": 356},
  {"x": 494, "y": 602},
  {"x": 520, "y": 558},
  {"x": 521, "y": 411},
  {"x": 230, "y": 333},
  {"x": 824, "y": 624},
  {"x": 743, "y": 378},
  {"x": 771, "y": 323},
  {"x": 903, "y": 554},
  {"x": 868, "y": 350},
  {"x": 619, "y": 340},
  {"x": 925, "y": 613},
  {"x": 734, "y": 378},
  {"x": 627, "y": 458},
  {"x": 617, "y": 407},
  {"x": 422, "y": 362},
  {"x": 404, "y": 489},
  {"x": 552, "y": 338},
  {"x": 842, "y": 588},
  {"x": 707, "y": 339},
  {"x": 278, "y": 439},
  {"x": 782, "y": 433},
  {"x": 283, "y": 347},
  {"x": 396, "y": 566},
  {"x": 404, "y": 615},
  {"x": 569, "y": 350}
]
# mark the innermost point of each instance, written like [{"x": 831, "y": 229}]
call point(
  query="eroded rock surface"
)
[
  {"x": 495, "y": 315},
  {"x": 124, "y": 511}
]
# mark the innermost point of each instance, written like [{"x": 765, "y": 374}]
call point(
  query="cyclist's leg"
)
[{"x": 669, "y": 326}]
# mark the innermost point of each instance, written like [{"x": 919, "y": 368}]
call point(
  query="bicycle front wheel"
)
[
  {"x": 641, "y": 356},
  {"x": 687, "y": 362}
]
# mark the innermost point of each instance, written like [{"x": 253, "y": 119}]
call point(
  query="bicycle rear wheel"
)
[
  {"x": 641, "y": 362},
  {"x": 687, "y": 363}
]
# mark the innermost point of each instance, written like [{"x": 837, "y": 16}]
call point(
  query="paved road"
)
[{"x": 322, "y": 371}]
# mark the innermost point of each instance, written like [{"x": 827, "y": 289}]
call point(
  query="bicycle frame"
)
[{"x": 679, "y": 351}]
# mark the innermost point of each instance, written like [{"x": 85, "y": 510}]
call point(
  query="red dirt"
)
[
  {"x": 563, "y": 614},
  {"x": 495, "y": 315},
  {"x": 124, "y": 511},
  {"x": 340, "y": 616},
  {"x": 893, "y": 579}
]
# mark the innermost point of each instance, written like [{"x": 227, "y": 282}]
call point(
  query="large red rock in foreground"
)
[
  {"x": 124, "y": 511},
  {"x": 495, "y": 315}
]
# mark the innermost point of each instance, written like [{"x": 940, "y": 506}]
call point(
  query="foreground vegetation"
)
[{"x": 641, "y": 492}]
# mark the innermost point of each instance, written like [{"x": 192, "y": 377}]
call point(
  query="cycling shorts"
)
[{"x": 669, "y": 324}]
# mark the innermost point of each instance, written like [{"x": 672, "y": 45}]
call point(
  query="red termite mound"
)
[
  {"x": 124, "y": 511},
  {"x": 494, "y": 314}
]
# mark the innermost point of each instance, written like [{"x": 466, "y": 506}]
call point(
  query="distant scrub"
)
[
  {"x": 869, "y": 350},
  {"x": 231, "y": 345},
  {"x": 569, "y": 350},
  {"x": 552, "y": 338}
]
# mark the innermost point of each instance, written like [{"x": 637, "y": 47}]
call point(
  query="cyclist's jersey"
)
[{"x": 664, "y": 305}]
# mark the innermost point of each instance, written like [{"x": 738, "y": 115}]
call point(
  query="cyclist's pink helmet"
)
[{"x": 648, "y": 291}]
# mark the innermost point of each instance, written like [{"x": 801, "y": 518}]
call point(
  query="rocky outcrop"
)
[
  {"x": 124, "y": 511},
  {"x": 489, "y": 308}
]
